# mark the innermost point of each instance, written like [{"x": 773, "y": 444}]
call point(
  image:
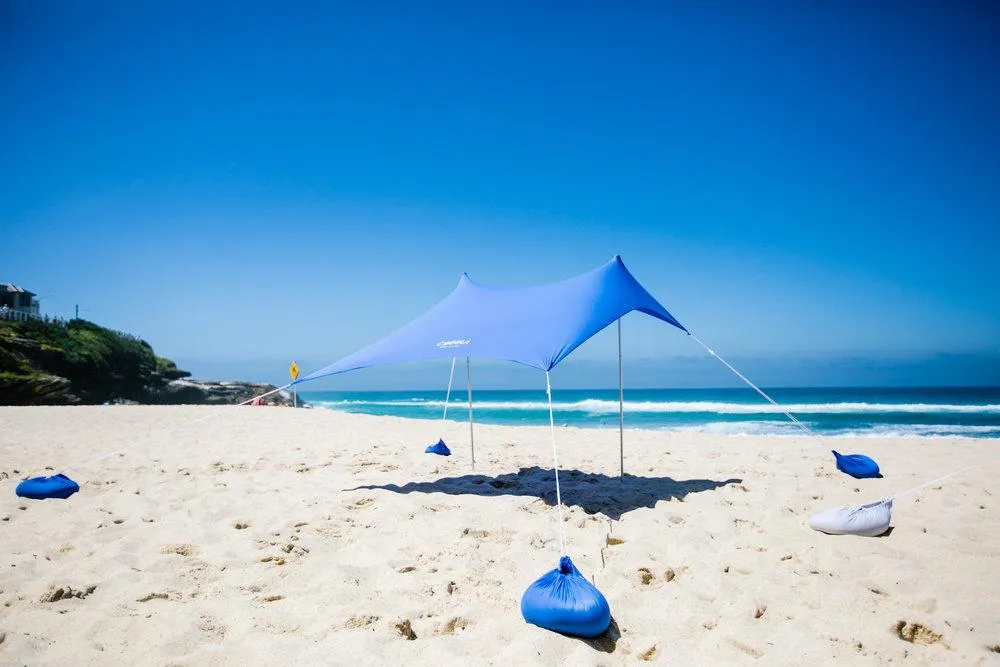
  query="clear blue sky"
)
[{"x": 811, "y": 187}]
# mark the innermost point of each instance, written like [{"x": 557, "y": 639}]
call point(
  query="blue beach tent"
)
[{"x": 537, "y": 326}]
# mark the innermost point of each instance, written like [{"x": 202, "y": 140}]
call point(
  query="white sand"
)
[{"x": 323, "y": 573}]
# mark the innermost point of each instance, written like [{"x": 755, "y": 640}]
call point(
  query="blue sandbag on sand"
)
[
  {"x": 856, "y": 465},
  {"x": 40, "y": 488},
  {"x": 563, "y": 601},
  {"x": 438, "y": 448}
]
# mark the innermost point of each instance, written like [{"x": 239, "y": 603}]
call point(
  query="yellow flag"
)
[{"x": 293, "y": 370}]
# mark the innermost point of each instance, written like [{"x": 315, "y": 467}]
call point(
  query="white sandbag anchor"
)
[{"x": 868, "y": 520}]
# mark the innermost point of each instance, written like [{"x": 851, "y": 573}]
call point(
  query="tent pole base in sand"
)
[
  {"x": 621, "y": 407},
  {"x": 472, "y": 441}
]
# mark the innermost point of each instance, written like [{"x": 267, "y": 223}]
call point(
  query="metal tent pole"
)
[
  {"x": 621, "y": 406},
  {"x": 447, "y": 396},
  {"x": 555, "y": 467},
  {"x": 472, "y": 441}
]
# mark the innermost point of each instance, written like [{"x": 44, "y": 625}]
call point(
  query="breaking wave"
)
[{"x": 597, "y": 407}]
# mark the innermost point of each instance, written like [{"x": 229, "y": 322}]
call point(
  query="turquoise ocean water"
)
[{"x": 933, "y": 412}]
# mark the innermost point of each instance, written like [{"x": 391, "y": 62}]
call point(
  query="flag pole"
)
[
  {"x": 621, "y": 406},
  {"x": 472, "y": 442}
]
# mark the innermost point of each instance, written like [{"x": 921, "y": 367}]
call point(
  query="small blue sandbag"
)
[
  {"x": 856, "y": 465},
  {"x": 563, "y": 601},
  {"x": 40, "y": 488},
  {"x": 438, "y": 448}
]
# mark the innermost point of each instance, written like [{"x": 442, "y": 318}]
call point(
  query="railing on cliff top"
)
[{"x": 12, "y": 315}]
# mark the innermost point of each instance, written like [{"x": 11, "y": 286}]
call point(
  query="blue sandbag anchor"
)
[
  {"x": 438, "y": 448},
  {"x": 41, "y": 488},
  {"x": 858, "y": 466},
  {"x": 562, "y": 600}
]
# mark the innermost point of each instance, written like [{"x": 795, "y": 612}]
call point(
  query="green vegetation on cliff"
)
[{"x": 77, "y": 362}]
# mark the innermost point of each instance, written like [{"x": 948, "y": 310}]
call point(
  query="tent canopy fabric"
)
[{"x": 538, "y": 326}]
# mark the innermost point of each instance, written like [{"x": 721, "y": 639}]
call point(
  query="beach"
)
[{"x": 262, "y": 534}]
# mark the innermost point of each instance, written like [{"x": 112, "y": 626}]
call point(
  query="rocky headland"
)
[{"x": 67, "y": 362}]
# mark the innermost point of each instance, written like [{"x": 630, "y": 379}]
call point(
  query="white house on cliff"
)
[{"x": 17, "y": 303}]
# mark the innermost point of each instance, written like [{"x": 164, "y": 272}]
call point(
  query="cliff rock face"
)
[
  {"x": 65, "y": 362},
  {"x": 38, "y": 389},
  {"x": 207, "y": 392}
]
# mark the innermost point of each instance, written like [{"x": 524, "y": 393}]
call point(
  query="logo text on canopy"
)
[{"x": 445, "y": 344}]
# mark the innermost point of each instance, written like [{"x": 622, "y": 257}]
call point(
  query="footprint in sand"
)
[
  {"x": 434, "y": 508},
  {"x": 481, "y": 534},
  {"x": 614, "y": 541},
  {"x": 276, "y": 560},
  {"x": 539, "y": 542},
  {"x": 360, "y": 621},
  {"x": 405, "y": 630},
  {"x": 915, "y": 633},
  {"x": 180, "y": 549},
  {"x": 213, "y": 628},
  {"x": 645, "y": 576},
  {"x": 358, "y": 504},
  {"x": 746, "y": 648},
  {"x": 162, "y": 595},
  {"x": 241, "y": 525},
  {"x": 503, "y": 535},
  {"x": 270, "y": 598},
  {"x": 535, "y": 506},
  {"x": 56, "y": 593},
  {"x": 449, "y": 628},
  {"x": 649, "y": 654},
  {"x": 333, "y": 532},
  {"x": 746, "y": 524}
]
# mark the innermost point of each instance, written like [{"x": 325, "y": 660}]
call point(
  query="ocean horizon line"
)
[{"x": 935, "y": 411}]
